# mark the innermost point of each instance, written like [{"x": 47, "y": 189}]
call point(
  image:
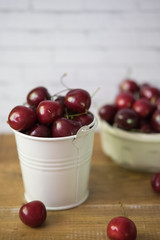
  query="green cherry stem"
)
[
  {"x": 95, "y": 92},
  {"x": 76, "y": 114},
  {"x": 123, "y": 210}
]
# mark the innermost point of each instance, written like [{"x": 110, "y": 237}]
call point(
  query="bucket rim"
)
[{"x": 85, "y": 128}]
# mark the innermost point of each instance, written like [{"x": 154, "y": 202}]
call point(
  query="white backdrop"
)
[{"x": 94, "y": 41}]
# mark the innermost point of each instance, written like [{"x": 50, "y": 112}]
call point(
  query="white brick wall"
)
[{"x": 94, "y": 41}]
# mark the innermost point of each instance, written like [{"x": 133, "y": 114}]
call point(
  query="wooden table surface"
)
[{"x": 109, "y": 184}]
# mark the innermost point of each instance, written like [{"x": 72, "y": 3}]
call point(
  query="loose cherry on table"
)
[
  {"x": 155, "y": 182},
  {"x": 121, "y": 228},
  {"x": 33, "y": 213}
]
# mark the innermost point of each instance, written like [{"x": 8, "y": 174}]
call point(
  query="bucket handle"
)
[{"x": 85, "y": 129}]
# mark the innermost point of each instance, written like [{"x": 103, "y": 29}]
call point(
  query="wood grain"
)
[{"x": 109, "y": 184}]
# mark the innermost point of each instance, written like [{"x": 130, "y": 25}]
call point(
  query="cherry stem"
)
[
  {"x": 129, "y": 71},
  {"x": 56, "y": 94},
  {"x": 62, "y": 82},
  {"x": 123, "y": 210},
  {"x": 95, "y": 92},
  {"x": 76, "y": 114}
]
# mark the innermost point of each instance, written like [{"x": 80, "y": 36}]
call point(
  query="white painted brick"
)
[
  {"x": 120, "y": 39},
  {"x": 80, "y": 57},
  {"x": 58, "y": 5},
  {"x": 42, "y": 39},
  {"x": 124, "y": 39},
  {"x": 9, "y": 74},
  {"x": 111, "y": 5},
  {"x": 149, "y": 4},
  {"x": 81, "y": 21},
  {"x": 14, "y": 5},
  {"x": 111, "y": 57},
  {"x": 21, "y": 57}
]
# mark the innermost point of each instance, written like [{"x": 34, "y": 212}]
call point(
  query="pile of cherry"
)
[
  {"x": 44, "y": 115},
  {"x": 136, "y": 108}
]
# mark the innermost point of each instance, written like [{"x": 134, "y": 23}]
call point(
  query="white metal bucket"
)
[{"x": 56, "y": 170}]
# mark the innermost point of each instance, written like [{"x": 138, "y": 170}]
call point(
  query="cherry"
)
[
  {"x": 85, "y": 119},
  {"x": 121, "y": 228},
  {"x": 63, "y": 127},
  {"x": 157, "y": 103},
  {"x": 145, "y": 126},
  {"x": 48, "y": 111},
  {"x": 78, "y": 100},
  {"x": 150, "y": 93},
  {"x": 60, "y": 99},
  {"x": 129, "y": 85},
  {"x": 33, "y": 213},
  {"x": 124, "y": 100},
  {"x": 107, "y": 112},
  {"x": 126, "y": 119},
  {"x": 143, "y": 107},
  {"x": 155, "y": 121},
  {"x": 21, "y": 118},
  {"x": 36, "y": 95},
  {"x": 155, "y": 182},
  {"x": 40, "y": 130}
]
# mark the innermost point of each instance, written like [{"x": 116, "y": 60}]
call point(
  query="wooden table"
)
[{"x": 109, "y": 184}]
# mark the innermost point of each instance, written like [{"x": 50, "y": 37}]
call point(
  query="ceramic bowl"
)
[{"x": 136, "y": 151}]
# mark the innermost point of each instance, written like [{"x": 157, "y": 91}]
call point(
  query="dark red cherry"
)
[
  {"x": 121, "y": 228},
  {"x": 85, "y": 119},
  {"x": 33, "y": 213},
  {"x": 145, "y": 126},
  {"x": 129, "y": 85},
  {"x": 40, "y": 130},
  {"x": 21, "y": 118},
  {"x": 78, "y": 100},
  {"x": 143, "y": 107},
  {"x": 107, "y": 112},
  {"x": 155, "y": 120},
  {"x": 63, "y": 127},
  {"x": 155, "y": 182},
  {"x": 127, "y": 119},
  {"x": 48, "y": 111},
  {"x": 150, "y": 93},
  {"x": 60, "y": 99},
  {"x": 157, "y": 104},
  {"x": 36, "y": 95},
  {"x": 124, "y": 100}
]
